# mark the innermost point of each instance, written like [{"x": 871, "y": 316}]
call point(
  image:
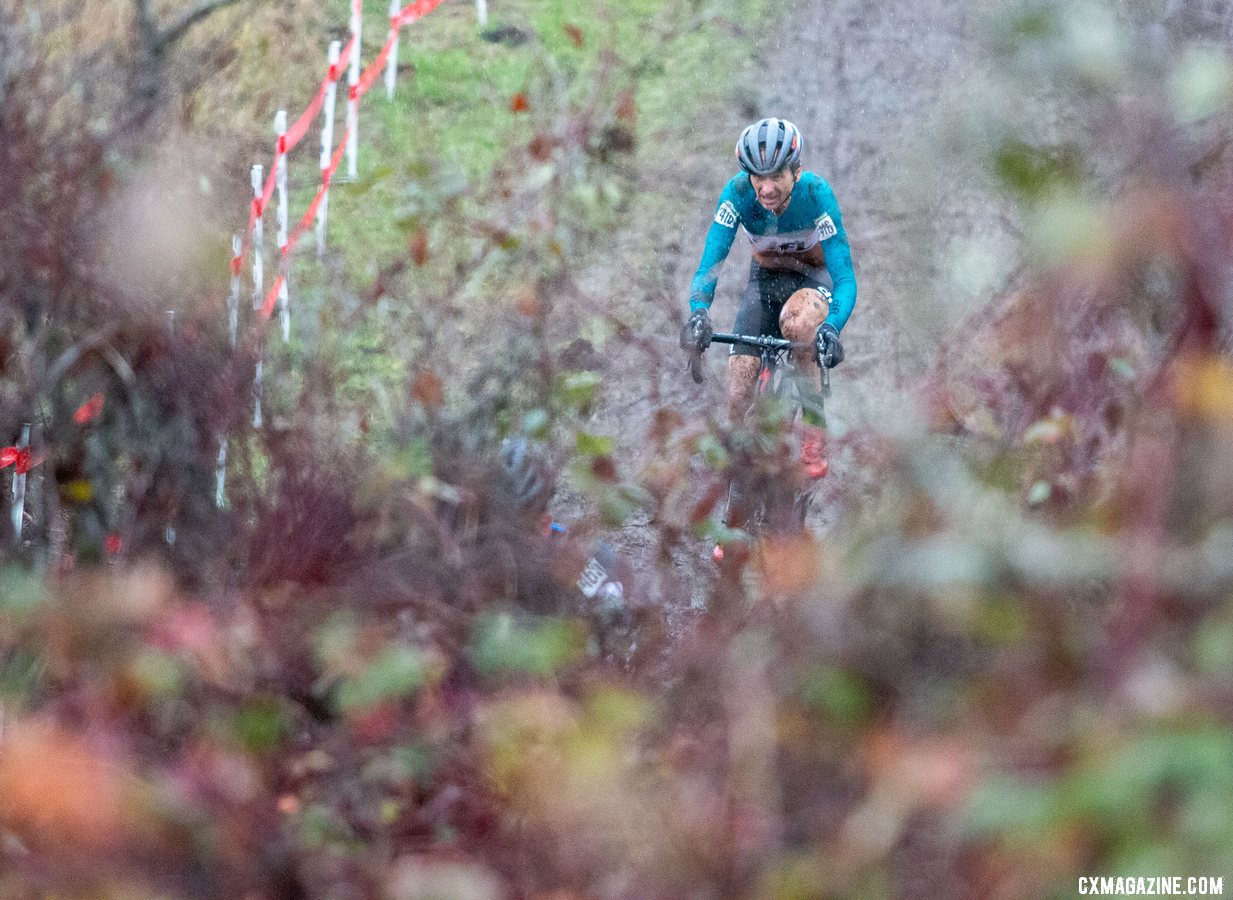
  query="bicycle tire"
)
[
  {"x": 781, "y": 514},
  {"x": 771, "y": 512}
]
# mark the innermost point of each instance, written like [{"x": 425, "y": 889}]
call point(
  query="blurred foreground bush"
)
[{"x": 372, "y": 676}]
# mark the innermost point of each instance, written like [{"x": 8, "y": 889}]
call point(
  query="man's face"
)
[{"x": 774, "y": 190}]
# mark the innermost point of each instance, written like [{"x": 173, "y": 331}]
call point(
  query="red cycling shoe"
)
[{"x": 813, "y": 450}]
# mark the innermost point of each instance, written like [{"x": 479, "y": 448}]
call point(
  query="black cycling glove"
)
[
  {"x": 830, "y": 350},
  {"x": 697, "y": 331}
]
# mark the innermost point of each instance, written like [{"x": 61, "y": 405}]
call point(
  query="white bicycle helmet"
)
[
  {"x": 526, "y": 475},
  {"x": 768, "y": 145}
]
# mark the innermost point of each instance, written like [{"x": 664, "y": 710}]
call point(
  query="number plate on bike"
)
[{"x": 592, "y": 578}]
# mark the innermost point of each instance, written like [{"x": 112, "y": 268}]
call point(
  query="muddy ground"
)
[{"x": 869, "y": 83}]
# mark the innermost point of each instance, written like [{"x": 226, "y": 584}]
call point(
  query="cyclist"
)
[
  {"x": 524, "y": 486},
  {"x": 525, "y": 480},
  {"x": 801, "y": 283}
]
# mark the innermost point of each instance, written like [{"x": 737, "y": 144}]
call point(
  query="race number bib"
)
[
  {"x": 592, "y": 578},
  {"x": 826, "y": 227},
  {"x": 726, "y": 216}
]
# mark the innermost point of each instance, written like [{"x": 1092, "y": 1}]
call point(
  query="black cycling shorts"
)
[{"x": 765, "y": 294}]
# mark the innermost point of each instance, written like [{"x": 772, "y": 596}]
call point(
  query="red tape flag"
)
[
  {"x": 306, "y": 221},
  {"x": 373, "y": 70},
  {"x": 19, "y": 458},
  {"x": 296, "y": 132},
  {"x": 294, "y": 135},
  {"x": 413, "y": 11},
  {"x": 271, "y": 297},
  {"x": 256, "y": 208},
  {"x": 408, "y": 14},
  {"x": 335, "y": 71}
]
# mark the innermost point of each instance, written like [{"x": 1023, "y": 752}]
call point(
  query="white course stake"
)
[
  {"x": 233, "y": 302},
  {"x": 327, "y": 144},
  {"x": 19, "y": 488},
  {"x": 258, "y": 240},
  {"x": 220, "y": 475},
  {"x": 258, "y": 250},
  {"x": 280, "y": 182},
  {"x": 391, "y": 63},
  {"x": 257, "y": 379},
  {"x": 481, "y": 10},
  {"x": 353, "y": 102}
]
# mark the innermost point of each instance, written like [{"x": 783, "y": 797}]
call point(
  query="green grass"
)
[{"x": 450, "y": 123}]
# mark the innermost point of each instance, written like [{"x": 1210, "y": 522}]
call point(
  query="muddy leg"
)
[
  {"x": 802, "y": 314},
  {"x": 798, "y": 321},
  {"x": 742, "y": 379}
]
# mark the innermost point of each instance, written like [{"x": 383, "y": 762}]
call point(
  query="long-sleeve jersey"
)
[{"x": 812, "y": 217}]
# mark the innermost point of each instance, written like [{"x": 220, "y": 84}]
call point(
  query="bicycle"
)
[{"x": 782, "y": 500}]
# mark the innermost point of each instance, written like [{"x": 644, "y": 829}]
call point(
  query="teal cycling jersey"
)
[{"x": 811, "y": 218}]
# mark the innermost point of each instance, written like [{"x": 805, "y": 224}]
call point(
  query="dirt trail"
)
[{"x": 866, "y": 81}]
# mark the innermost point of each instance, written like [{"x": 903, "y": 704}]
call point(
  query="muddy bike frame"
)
[
  {"x": 773, "y": 359},
  {"x": 773, "y": 353}
]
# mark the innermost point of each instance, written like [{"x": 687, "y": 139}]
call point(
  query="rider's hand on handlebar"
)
[
  {"x": 697, "y": 331},
  {"x": 830, "y": 350}
]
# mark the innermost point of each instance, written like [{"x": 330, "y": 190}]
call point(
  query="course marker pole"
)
[
  {"x": 257, "y": 379},
  {"x": 391, "y": 63},
  {"x": 353, "y": 97},
  {"x": 280, "y": 161},
  {"x": 327, "y": 143},
  {"x": 220, "y": 474},
  {"x": 19, "y": 488},
  {"x": 258, "y": 252},
  {"x": 258, "y": 236},
  {"x": 233, "y": 302},
  {"x": 481, "y": 10}
]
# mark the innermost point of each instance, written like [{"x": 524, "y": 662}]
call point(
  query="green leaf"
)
[
  {"x": 21, "y": 594},
  {"x": 503, "y": 645},
  {"x": 712, "y": 451},
  {"x": 615, "y": 507},
  {"x": 595, "y": 444},
  {"x": 1007, "y": 806},
  {"x": 159, "y": 673},
  {"x": 1190, "y": 762},
  {"x": 577, "y": 390},
  {"x": 1034, "y": 171},
  {"x": 840, "y": 696},
  {"x": 396, "y": 672},
  {"x": 1213, "y": 648},
  {"x": 414, "y": 458},
  {"x": 21, "y": 671},
  {"x": 259, "y": 725},
  {"x": 334, "y": 642}
]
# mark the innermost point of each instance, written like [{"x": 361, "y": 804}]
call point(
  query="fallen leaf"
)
[
  {"x": 419, "y": 247},
  {"x": 427, "y": 389},
  {"x": 89, "y": 410}
]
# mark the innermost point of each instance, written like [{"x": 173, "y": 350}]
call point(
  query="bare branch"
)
[
  {"x": 147, "y": 26},
  {"x": 176, "y": 30}
]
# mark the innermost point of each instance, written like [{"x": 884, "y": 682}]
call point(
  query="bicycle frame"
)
[{"x": 771, "y": 352}]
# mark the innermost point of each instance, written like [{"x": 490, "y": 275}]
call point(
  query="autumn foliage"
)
[{"x": 371, "y": 673}]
